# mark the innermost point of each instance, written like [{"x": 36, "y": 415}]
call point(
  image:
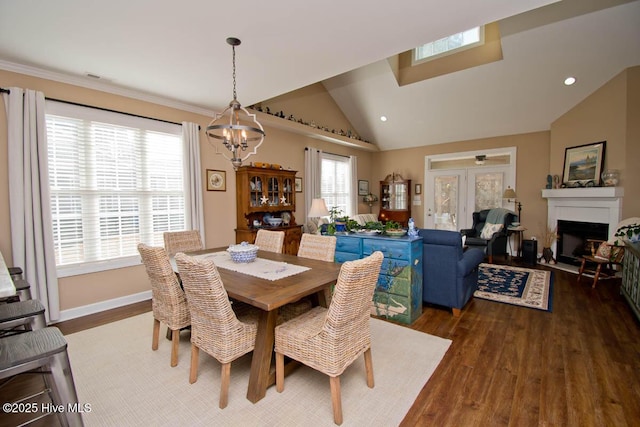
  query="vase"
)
[
  {"x": 610, "y": 177},
  {"x": 547, "y": 254}
]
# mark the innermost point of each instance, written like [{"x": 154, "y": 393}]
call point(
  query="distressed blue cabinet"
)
[{"x": 398, "y": 294}]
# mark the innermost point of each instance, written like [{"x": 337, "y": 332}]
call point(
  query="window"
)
[
  {"x": 115, "y": 181},
  {"x": 454, "y": 42},
  {"x": 335, "y": 186}
]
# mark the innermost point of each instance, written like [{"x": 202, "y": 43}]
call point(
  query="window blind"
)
[{"x": 115, "y": 181}]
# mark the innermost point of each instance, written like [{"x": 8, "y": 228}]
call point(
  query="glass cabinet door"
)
[
  {"x": 273, "y": 192},
  {"x": 287, "y": 191},
  {"x": 255, "y": 192}
]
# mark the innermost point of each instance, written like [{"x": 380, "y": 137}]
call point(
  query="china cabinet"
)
[
  {"x": 395, "y": 199},
  {"x": 263, "y": 194}
]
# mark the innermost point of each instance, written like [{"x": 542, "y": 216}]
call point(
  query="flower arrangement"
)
[{"x": 549, "y": 236}]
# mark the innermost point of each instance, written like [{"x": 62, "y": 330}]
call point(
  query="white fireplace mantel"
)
[{"x": 590, "y": 204}]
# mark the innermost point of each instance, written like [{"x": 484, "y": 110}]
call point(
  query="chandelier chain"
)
[{"x": 234, "y": 72}]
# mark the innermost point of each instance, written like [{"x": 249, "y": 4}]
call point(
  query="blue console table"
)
[{"x": 398, "y": 294}]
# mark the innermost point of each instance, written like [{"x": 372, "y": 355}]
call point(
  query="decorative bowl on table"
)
[
  {"x": 395, "y": 233},
  {"x": 274, "y": 221},
  {"x": 369, "y": 232},
  {"x": 244, "y": 252}
]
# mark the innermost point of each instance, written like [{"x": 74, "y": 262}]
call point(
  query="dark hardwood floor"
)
[{"x": 512, "y": 366}]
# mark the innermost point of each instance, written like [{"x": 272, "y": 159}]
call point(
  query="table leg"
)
[{"x": 261, "y": 360}]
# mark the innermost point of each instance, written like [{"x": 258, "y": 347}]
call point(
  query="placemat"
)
[{"x": 262, "y": 268}]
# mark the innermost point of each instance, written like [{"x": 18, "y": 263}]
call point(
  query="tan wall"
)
[
  {"x": 280, "y": 147},
  {"x": 532, "y": 166},
  {"x": 609, "y": 114}
]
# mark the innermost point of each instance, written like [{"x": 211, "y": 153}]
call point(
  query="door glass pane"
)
[
  {"x": 488, "y": 190},
  {"x": 446, "y": 202}
]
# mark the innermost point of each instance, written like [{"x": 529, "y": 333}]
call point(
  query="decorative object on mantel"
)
[
  {"x": 583, "y": 165},
  {"x": 237, "y": 131},
  {"x": 556, "y": 181},
  {"x": 348, "y": 133},
  {"x": 610, "y": 177}
]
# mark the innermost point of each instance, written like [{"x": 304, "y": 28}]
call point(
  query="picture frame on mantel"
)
[{"x": 583, "y": 165}]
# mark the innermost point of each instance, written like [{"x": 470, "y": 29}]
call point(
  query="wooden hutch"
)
[
  {"x": 261, "y": 192},
  {"x": 395, "y": 199}
]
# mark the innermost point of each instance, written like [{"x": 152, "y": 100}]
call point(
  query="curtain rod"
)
[
  {"x": 103, "y": 109},
  {"x": 333, "y": 154}
]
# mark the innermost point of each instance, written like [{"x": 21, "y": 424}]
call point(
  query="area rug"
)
[
  {"x": 520, "y": 286},
  {"x": 128, "y": 384}
]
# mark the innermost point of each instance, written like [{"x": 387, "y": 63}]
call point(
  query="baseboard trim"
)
[{"x": 85, "y": 310}]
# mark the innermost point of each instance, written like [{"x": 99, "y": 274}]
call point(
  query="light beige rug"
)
[{"x": 128, "y": 384}]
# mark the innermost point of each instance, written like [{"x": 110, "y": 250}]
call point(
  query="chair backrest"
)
[
  {"x": 480, "y": 218},
  {"x": 350, "y": 307},
  {"x": 213, "y": 321},
  {"x": 272, "y": 241},
  {"x": 168, "y": 299},
  {"x": 182, "y": 241},
  {"x": 316, "y": 246}
]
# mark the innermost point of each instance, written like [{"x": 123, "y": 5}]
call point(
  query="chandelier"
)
[{"x": 235, "y": 128}]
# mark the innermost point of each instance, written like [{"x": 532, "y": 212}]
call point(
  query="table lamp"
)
[
  {"x": 318, "y": 209},
  {"x": 370, "y": 199}
]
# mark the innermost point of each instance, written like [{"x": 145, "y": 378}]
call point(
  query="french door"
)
[{"x": 456, "y": 186}]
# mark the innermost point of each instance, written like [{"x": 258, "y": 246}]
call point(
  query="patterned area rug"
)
[{"x": 525, "y": 287}]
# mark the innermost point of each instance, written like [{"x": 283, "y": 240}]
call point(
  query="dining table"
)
[{"x": 269, "y": 295}]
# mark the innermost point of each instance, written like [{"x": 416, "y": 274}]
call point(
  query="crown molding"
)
[{"x": 89, "y": 83}]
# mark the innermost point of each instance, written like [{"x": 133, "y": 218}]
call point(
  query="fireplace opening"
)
[{"x": 573, "y": 239}]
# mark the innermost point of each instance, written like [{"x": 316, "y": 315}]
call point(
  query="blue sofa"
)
[{"x": 449, "y": 273}]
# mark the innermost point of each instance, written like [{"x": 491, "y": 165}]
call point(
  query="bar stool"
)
[
  {"x": 44, "y": 350},
  {"x": 29, "y": 314}
]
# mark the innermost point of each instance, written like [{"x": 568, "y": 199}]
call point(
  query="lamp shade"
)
[
  {"x": 318, "y": 209},
  {"x": 509, "y": 193}
]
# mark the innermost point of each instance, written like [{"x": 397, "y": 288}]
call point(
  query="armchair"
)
[
  {"x": 449, "y": 273},
  {"x": 492, "y": 239}
]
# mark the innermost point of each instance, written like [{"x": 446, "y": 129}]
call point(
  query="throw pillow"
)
[{"x": 489, "y": 229}]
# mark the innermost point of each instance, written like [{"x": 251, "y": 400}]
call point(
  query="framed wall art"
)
[
  {"x": 298, "y": 185},
  {"x": 363, "y": 187},
  {"x": 583, "y": 165},
  {"x": 216, "y": 180},
  {"x": 418, "y": 189}
]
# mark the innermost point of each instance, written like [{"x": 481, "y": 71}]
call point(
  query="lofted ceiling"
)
[{"x": 175, "y": 53}]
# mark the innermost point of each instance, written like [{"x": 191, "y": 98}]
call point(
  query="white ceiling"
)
[{"x": 177, "y": 51}]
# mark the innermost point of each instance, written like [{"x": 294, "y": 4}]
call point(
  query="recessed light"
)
[
  {"x": 383, "y": 118},
  {"x": 569, "y": 81}
]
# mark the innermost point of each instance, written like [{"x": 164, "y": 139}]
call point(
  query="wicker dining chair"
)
[
  {"x": 329, "y": 340},
  {"x": 272, "y": 241},
  {"x": 168, "y": 300},
  {"x": 182, "y": 241},
  {"x": 323, "y": 248},
  {"x": 215, "y": 327}
]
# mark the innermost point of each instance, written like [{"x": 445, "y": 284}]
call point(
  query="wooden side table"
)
[{"x": 519, "y": 233}]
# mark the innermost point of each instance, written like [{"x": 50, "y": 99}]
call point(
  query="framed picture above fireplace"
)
[{"x": 583, "y": 165}]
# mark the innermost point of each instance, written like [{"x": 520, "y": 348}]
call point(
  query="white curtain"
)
[
  {"x": 193, "y": 182},
  {"x": 29, "y": 200},
  {"x": 312, "y": 176},
  {"x": 353, "y": 161}
]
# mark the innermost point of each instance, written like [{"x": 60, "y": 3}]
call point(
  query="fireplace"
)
[
  {"x": 595, "y": 212},
  {"x": 573, "y": 239}
]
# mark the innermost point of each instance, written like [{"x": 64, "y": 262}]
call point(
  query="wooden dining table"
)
[{"x": 269, "y": 296}]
